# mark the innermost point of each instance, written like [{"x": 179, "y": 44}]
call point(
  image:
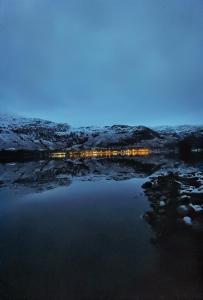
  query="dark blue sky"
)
[{"x": 97, "y": 62}]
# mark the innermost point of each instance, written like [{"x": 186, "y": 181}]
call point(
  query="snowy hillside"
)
[
  {"x": 179, "y": 131},
  {"x": 36, "y": 134},
  {"x": 18, "y": 133},
  {"x": 185, "y": 135},
  {"x": 30, "y": 134}
]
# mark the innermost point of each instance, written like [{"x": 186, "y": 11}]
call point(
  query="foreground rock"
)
[{"x": 176, "y": 201}]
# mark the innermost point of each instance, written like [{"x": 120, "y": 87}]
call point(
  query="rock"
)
[
  {"x": 185, "y": 198},
  {"x": 182, "y": 210},
  {"x": 196, "y": 208},
  {"x": 198, "y": 224},
  {"x": 196, "y": 193},
  {"x": 149, "y": 216},
  {"x": 147, "y": 185},
  {"x": 155, "y": 186},
  {"x": 157, "y": 193},
  {"x": 194, "y": 182},
  {"x": 161, "y": 211},
  {"x": 162, "y": 203},
  {"x": 196, "y": 199},
  {"x": 163, "y": 198},
  {"x": 187, "y": 220}
]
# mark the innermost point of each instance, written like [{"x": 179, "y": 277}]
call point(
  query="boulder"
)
[
  {"x": 162, "y": 203},
  {"x": 182, "y": 210},
  {"x": 163, "y": 198},
  {"x": 187, "y": 220},
  {"x": 196, "y": 208},
  {"x": 147, "y": 185}
]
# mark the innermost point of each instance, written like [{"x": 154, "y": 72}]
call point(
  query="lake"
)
[{"x": 75, "y": 230}]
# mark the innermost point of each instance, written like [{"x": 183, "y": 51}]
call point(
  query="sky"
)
[{"x": 102, "y": 62}]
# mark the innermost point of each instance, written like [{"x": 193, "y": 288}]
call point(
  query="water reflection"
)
[
  {"x": 76, "y": 233},
  {"x": 48, "y": 174},
  {"x": 89, "y": 153}
]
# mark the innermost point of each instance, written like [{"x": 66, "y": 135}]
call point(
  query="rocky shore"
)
[{"x": 176, "y": 200}]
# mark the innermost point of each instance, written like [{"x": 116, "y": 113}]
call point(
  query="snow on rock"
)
[
  {"x": 184, "y": 197},
  {"x": 187, "y": 220},
  {"x": 182, "y": 210},
  {"x": 196, "y": 208},
  {"x": 162, "y": 203}
]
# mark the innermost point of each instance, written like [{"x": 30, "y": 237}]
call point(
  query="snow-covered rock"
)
[
  {"x": 162, "y": 203},
  {"x": 187, "y": 220},
  {"x": 196, "y": 208},
  {"x": 182, "y": 210}
]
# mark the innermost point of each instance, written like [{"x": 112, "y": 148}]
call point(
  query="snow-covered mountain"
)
[
  {"x": 179, "y": 131},
  {"x": 184, "y": 135},
  {"x": 36, "y": 134},
  {"x": 30, "y": 133},
  {"x": 19, "y": 133}
]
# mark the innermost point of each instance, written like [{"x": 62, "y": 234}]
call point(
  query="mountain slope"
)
[
  {"x": 30, "y": 134},
  {"x": 185, "y": 135},
  {"x": 36, "y": 134},
  {"x": 17, "y": 133}
]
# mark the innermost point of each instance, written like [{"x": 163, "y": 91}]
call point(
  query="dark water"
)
[{"x": 74, "y": 230}]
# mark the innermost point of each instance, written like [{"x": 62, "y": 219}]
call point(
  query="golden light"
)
[{"x": 102, "y": 153}]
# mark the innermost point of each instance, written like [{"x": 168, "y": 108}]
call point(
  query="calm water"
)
[{"x": 74, "y": 230}]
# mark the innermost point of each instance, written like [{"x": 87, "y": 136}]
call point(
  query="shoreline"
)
[{"x": 176, "y": 201}]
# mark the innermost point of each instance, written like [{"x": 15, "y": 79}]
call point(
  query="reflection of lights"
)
[
  {"x": 58, "y": 155},
  {"x": 102, "y": 153}
]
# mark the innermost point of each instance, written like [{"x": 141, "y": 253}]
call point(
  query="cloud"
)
[{"x": 99, "y": 61}]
